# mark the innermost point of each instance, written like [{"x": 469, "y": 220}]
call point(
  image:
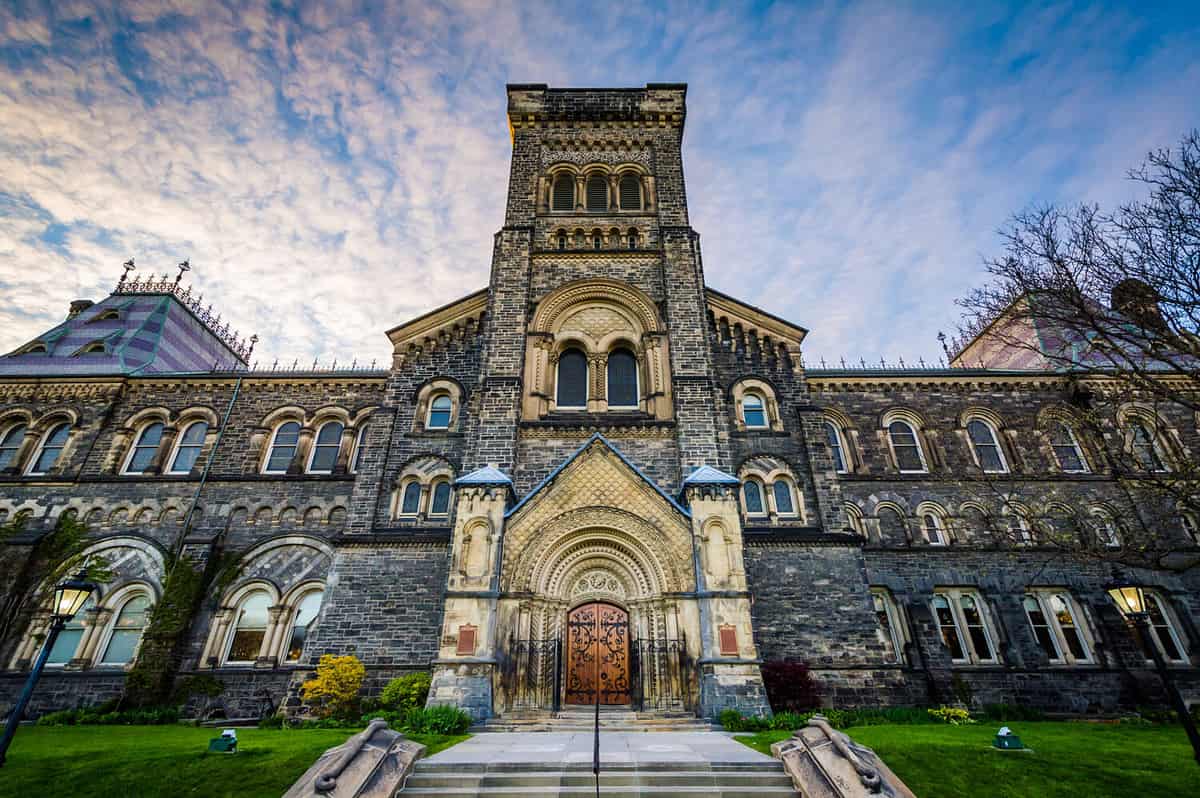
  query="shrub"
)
[
  {"x": 335, "y": 687},
  {"x": 443, "y": 719},
  {"x": 735, "y": 721},
  {"x": 104, "y": 715},
  {"x": 271, "y": 722},
  {"x": 405, "y": 693},
  {"x": 951, "y": 715},
  {"x": 790, "y": 686}
]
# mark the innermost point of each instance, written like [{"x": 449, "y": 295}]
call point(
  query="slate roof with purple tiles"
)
[{"x": 141, "y": 333}]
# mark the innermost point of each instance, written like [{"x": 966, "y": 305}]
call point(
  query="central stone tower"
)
[{"x": 597, "y": 542}]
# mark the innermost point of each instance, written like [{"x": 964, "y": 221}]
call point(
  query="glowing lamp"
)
[{"x": 71, "y": 594}]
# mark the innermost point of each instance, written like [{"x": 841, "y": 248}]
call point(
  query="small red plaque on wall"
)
[
  {"x": 466, "y": 640},
  {"x": 729, "y": 644}
]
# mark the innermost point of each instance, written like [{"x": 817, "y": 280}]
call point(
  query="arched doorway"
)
[{"x": 598, "y": 655}]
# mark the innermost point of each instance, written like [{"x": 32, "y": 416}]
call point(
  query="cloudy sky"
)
[{"x": 333, "y": 169}]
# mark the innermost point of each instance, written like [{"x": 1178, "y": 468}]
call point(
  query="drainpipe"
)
[{"x": 187, "y": 519}]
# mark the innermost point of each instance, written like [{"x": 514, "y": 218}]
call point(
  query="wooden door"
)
[{"x": 597, "y": 654}]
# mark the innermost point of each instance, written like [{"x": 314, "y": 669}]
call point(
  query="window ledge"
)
[{"x": 567, "y": 419}]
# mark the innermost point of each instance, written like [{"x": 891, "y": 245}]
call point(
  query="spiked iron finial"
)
[{"x": 186, "y": 266}]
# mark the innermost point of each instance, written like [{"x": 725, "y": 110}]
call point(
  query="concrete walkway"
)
[{"x": 575, "y": 748}]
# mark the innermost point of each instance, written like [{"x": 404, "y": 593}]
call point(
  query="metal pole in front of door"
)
[{"x": 596, "y": 735}]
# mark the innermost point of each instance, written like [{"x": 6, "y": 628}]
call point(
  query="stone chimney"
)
[{"x": 79, "y": 306}]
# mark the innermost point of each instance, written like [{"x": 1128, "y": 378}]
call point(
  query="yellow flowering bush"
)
[
  {"x": 951, "y": 715},
  {"x": 334, "y": 690}
]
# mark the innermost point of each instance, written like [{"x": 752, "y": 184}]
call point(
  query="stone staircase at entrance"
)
[
  {"x": 580, "y": 719},
  {"x": 432, "y": 779}
]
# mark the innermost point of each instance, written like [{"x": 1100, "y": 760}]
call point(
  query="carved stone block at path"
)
[
  {"x": 824, "y": 763},
  {"x": 372, "y": 764}
]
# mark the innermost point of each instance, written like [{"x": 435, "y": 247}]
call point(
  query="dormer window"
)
[
  {"x": 35, "y": 349},
  {"x": 108, "y": 315},
  {"x": 94, "y": 348}
]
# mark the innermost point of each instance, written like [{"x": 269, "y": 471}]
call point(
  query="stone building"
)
[{"x": 595, "y": 474}]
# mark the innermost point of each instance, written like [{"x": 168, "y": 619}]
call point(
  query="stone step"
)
[
  {"x": 706, "y": 791},
  {"x": 559, "y": 778},
  {"x": 758, "y": 766}
]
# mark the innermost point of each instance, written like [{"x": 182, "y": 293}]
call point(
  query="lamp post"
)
[
  {"x": 69, "y": 597},
  {"x": 1131, "y": 601}
]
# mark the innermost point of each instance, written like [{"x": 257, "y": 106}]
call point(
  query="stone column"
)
[
  {"x": 303, "y": 444},
  {"x": 467, "y": 658},
  {"x": 277, "y": 615},
  {"x": 729, "y": 663}
]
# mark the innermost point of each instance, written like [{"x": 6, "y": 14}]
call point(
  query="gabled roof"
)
[
  {"x": 707, "y": 475},
  {"x": 430, "y": 325},
  {"x": 485, "y": 476},
  {"x": 752, "y": 318},
  {"x": 596, "y": 439}
]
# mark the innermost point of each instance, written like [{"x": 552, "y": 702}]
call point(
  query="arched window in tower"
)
[
  {"x": 562, "y": 241},
  {"x": 51, "y": 449},
  {"x": 622, "y": 379},
  {"x": 633, "y": 237},
  {"x": 597, "y": 240},
  {"x": 986, "y": 448},
  {"x": 564, "y": 193},
  {"x": 597, "y": 193},
  {"x": 325, "y": 448},
  {"x": 754, "y": 412},
  {"x": 783, "y": 498},
  {"x": 10, "y": 444},
  {"x": 752, "y": 497},
  {"x": 439, "y": 412},
  {"x": 631, "y": 193},
  {"x": 411, "y": 502},
  {"x": 572, "y": 380},
  {"x": 441, "y": 499},
  {"x": 935, "y": 531}
]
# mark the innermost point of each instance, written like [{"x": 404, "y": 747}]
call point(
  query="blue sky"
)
[{"x": 334, "y": 169}]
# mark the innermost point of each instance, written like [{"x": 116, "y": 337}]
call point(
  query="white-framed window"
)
[
  {"x": 304, "y": 620},
  {"x": 1144, "y": 446},
  {"x": 963, "y": 622},
  {"x": 572, "y": 382},
  {"x": 887, "y": 615},
  {"x": 410, "y": 498},
  {"x": 251, "y": 619},
  {"x": 754, "y": 410},
  {"x": 49, "y": 449},
  {"x": 1019, "y": 529},
  {"x": 10, "y": 445},
  {"x": 326, "y": 445},
  {"x": 934, "y": 527},
  {"x": 70, "y": 637},
  {"x": 187, "y": 448},
  {"x": 439, "y": 502},
  {"x": 1067, "y": 450},
  {"x": 356, "y": 458},
  {"x": 1058, "y": 626},
  {"x": 125, "y": 633},
  {"x": 985, "y": 447},
  {"x": 141, "y": 454},
  {"x": 440, "y": 410},
  {"x": 622, "y": 376},
  {"x": 783, "y": 492},
  {"x": 752, "y": 497},
  {"x": 1163, "y": 632},
  {"x": 837, "y": 447},
  {"x": 283, "y": 448},
  {"x": 906, "y": 448},
  {"x": 1108, "y": 532}
]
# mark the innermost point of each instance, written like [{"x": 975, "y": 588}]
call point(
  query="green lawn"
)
[
  {"x": 1070, "y": 760},
  {"x": 152, "y": 761}
]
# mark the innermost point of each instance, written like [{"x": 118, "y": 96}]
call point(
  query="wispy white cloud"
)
[{"x": 334, "y": 168}]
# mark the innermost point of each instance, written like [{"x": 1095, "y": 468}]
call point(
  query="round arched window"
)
[
  {"x": 572, "y": 380},
  {"x": 564, "y": 193},
  {"x": 622, "y": 379}
]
